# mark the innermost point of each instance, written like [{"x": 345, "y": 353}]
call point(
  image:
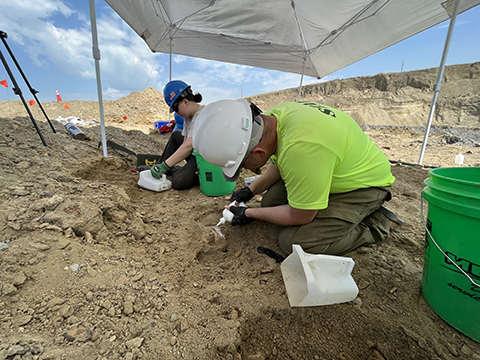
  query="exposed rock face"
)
[
  {"x": 396, "y": 98},
  {"x": 383, "y": 99}
]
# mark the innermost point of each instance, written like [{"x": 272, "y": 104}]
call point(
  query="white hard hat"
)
[{"x": 226, "y": 132}]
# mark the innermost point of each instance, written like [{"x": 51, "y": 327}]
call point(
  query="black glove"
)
[
  {"x": 242, "y": 195},
  {"x": 239, "y": 217}
]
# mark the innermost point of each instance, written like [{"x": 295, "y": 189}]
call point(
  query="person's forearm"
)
[
  {"x": 264, "y": 182},
  {"x": 282, "y": 215},
  {"x": 182, "y": 153}
]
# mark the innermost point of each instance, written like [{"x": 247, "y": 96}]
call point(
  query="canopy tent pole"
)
[
  {"x": 304, "y": 46},
  {"x": 170, "y": 79},
  {"x": 96, "y": 56},
  {"x": 170, "y": 74},
  {"x": 301, "y": 81},
  {"x": 438, "y": 84}
]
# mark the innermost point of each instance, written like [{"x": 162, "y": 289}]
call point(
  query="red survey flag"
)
[
  {"x": 32, "y": 102},
  {"x": 66, "y": 107},
  {"x": 4, "y": 83},
  {"x": 124, "y": 118},
  {"x": 58, "y": 95}
]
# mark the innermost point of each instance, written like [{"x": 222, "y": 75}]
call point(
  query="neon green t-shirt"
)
[{"x": 322, "y": 151}]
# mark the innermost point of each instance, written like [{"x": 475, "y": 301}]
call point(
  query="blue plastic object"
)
[
  {"x": 159, "y": 124},
  {"x": 178, "y": 122}
]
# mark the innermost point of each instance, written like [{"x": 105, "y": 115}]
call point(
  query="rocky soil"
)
[{"x": 94, "y": 267}]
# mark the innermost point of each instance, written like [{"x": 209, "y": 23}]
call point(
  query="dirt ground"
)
[
  {"x": 94, "y": 267},
  {"x": 97, "y": 268}
]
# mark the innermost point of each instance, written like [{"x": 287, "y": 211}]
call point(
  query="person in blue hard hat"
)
[{"x": 181, "y": 100}]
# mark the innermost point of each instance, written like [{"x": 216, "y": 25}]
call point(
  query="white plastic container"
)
[
  {"x": 459, "y": 159},
  {"x": 75, "y": 131},
  {"x": 251, "y": 179},
  {"x": 147, "y": 181},
  {"x": 314, "y": 280}
]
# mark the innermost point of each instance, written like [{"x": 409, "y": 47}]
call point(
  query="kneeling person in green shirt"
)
[{"x": 326, "y": 181}]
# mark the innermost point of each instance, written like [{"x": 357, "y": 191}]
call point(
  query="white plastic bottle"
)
[
  {"x": 228, "y": 215},
  {"x": 147, "y": 181}
]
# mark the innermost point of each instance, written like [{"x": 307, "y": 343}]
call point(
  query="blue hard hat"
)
[{"x": 173, "y": 90}]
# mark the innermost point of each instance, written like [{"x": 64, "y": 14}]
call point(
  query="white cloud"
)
[
  {"x": 219, "y": 71},
  {"x": 216, "y": 80},
  {"x": 114, "y": 94},
  {"x": 178, "y": 59},
  {"x": 26, "y": 19},
  {"x": 126, "y": 62},
  {"x": 29, "y": 23}
]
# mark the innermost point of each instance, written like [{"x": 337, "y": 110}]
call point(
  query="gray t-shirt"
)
[{"x": 188, "y": 124}]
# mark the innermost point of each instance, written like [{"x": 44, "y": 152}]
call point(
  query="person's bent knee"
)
[
  {"x": 285, "y": 239},
  {"x": 183, "y": 183},
  {"x": 177, "y": 136},
  {"x": 285, "y": 244},
  {"x": 276, "y": 195},
  {"x": 182, "y": 180}
]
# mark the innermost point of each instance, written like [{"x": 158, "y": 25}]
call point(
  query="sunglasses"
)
[{"x": 175, "y": 107}]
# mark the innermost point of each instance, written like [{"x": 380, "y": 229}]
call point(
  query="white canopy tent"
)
[{"x": 307, "y": 37}]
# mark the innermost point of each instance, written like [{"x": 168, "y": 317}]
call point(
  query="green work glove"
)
[{"x": 158, "y": 170}]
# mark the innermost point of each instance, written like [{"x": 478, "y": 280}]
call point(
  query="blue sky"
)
[{"x": 51, "y": 40}]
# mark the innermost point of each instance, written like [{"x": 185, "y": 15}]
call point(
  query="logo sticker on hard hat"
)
[
  {"x": 246, "y": 123},
  {"x": 172, "y": 95}
]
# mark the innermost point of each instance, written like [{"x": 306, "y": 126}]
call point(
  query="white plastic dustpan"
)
[{"x": 314, "y": 280}]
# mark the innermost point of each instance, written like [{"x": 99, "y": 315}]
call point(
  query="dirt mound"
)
[{"x": 141, "y": 108}]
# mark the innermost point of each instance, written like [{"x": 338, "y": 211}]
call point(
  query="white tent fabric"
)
[{"x": 310, "y": 37}]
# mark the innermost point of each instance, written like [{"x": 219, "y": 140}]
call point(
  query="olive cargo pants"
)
[{"x": 350, "y": 220}]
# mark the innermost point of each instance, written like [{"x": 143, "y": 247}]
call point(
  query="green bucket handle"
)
[{"x": 439, "y": 248}]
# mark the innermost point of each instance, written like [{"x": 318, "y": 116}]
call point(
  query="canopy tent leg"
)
[
  {"x": 301, "y": 82},
  {"x": 170, "y": 67},
  {"x": 3, "y": 36},
  {"x": 438, "y": 84},
  {"x": 305, "y": 48},
  {"x": 18, "y": 91},
  {"x": 96, "y": 56},
  {"x": 170, "y": 73}
]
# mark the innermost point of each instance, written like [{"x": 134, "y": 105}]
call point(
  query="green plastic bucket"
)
[
  {"x": 451, "y": 271},
  {"x": 212, "y": 182}
]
